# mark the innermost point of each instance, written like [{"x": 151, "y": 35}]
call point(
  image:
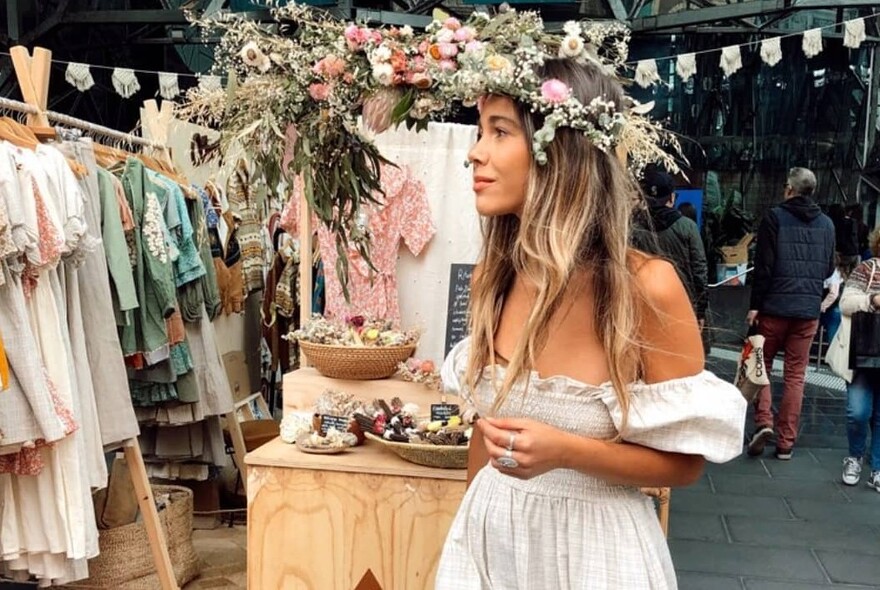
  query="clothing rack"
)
[
  {"x": 91, "y": 128},
  {"x": 32, "y": 72}
]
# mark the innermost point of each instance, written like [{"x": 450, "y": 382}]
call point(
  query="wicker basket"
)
[
  {"x": 445, "y": 457},
  {"x": 356, "y": 362},
  {"x": 126, "y": 562}
]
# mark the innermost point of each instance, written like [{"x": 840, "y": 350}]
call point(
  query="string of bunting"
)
[
  {"x": 125, "y": 81},
  {"x": 646, "y": 72}
]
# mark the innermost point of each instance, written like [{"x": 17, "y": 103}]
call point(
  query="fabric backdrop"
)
[{"x": 436, "y": 157}]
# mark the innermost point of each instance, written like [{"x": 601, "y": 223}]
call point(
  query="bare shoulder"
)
[{"x": 669, "y": 331}]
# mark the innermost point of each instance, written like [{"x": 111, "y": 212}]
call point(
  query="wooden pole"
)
[
  {"x": 305, "y": 267},
  {"x": 33, "y": 80},
  {"x": 156, "y": 535}
]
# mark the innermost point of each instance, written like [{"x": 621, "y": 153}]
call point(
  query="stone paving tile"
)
[
  {"x": 694, "y": 581},
  {"x": 751, "y": 485},
  {"x": 862, "y": 494},
  {"x": 809, "y": 534},
  {"x": 698, "y": 527},
  {"x": 728, "y": 504},
  {"x": 817, "y": 510},
  {"x": 741, "y": 465},
  {"x": 773, "y": 585},
  {"x": 801, "y": 466},
  {"x": 851, "y": 567},
  {"x": 739, "y": 560}
]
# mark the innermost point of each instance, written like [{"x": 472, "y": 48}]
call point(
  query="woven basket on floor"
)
[
  {"x": 126, "y": 561},
  {"x": 356, "y": 362},
  {"x": 445, "y": 457}
]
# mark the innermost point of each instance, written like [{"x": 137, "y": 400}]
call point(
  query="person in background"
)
[
  {"x": 861, "y": 292},
  {"x": 666, "y": 232},
  {"x": 846, "y": 236},
  {"x": 829, "y": 319},
  {"x": 689, "y": 211},
  {"x": 793, "y": 257}
]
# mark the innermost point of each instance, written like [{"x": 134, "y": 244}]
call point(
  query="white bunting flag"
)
[
  {"x": 771, "y": 51},
  {"x": 125, "y": 82},
  {"x": 646, "y": 73}
]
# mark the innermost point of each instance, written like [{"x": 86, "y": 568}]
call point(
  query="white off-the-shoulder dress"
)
[{"x": 565, "y": 530}]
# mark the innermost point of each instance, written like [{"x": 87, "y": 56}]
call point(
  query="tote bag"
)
[
  {"x": 751, "y": 373},
  {"x": 864, "y": 338}
]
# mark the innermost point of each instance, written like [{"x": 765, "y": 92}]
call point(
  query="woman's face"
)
[{"x": 501, "y": 159}]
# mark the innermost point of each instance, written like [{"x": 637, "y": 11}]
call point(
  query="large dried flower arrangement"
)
[{"x": 310, "y": 93}]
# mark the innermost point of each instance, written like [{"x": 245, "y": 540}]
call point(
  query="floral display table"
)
[{"x": 325, "y": 521}]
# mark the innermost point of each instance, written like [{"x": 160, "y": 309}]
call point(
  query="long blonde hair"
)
[{"x": 576, "y": 216}]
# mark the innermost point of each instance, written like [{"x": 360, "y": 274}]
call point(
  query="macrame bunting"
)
[
  {"x": 854, "y": 33},
  {"x": 731, "y": 60},
  {"x": 686, "y": 66},
  {"x": 125, "y": 82},
  {"x": 168, "y": 86},
  {"x": 771, "y": 51},
  {"x": 79, "y": 76},
  {"x": 646, "y": 73},
  {"x": 812, "y": 44},
  {"x": 209, "y": 83}
]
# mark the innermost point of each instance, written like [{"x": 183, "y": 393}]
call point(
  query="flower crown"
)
[{"x": 306, "y": 98}]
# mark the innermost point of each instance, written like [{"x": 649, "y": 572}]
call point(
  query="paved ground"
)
[{"x": 764, "y": 524}]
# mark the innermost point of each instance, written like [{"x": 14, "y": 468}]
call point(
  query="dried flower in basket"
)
[{"x": 356, "y": 331}]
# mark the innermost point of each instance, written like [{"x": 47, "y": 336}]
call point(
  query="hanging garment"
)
[
  {"x": 115, "y": 413},
  {"x": 245, "y": 205},
  {"x": 403, "y": 214},
  {"x": 153, "y": 275}
]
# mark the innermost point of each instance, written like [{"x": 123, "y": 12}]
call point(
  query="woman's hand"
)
[{"x": 537, "y": 447}]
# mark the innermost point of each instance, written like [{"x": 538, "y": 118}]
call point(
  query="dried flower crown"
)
[{"x": 306, "y": 98}]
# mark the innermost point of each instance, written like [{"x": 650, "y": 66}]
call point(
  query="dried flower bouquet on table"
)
[{"x": 357, "y": 331}]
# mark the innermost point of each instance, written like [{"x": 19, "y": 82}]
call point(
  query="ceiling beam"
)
[
  {"x": 619, "y": 10},
  {"x": 693, "y": 18}
]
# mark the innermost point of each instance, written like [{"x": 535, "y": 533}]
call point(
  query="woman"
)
[
  {"x": 861, "y": 292},
  {"x": 585, "y": 362}
]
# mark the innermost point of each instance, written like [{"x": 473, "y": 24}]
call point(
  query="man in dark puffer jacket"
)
[
  {"x": 794, "y": 256},
  {"x": 667, "y": 233}
]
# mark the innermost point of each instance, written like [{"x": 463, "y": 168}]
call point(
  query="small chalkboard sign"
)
[
  {"x": 444, "y": 411},
  {"x": 340, "y": 423},
  {"x": 458, "y": 303}
]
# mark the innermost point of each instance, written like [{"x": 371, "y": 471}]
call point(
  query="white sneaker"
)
[
  {"x": 874, "y": 480},
  {"x": 852, "y": 471}
]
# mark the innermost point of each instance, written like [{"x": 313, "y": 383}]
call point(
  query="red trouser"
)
[{"x": 794, "y": 336}]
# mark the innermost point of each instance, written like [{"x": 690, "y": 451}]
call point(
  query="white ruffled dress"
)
[{"x": 565, "y": 530}]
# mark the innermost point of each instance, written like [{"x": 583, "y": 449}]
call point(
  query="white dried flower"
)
[
  {"x": 383, "y": 73},
  {"x": 251, "y": 55},
  {"x": 572, "y": 28},
  {"x": 380, "y": 55},
  {"x": 572, "y": 46},
  {"x": 406, "y": 31},
  {"x": 445, "y": 36}
]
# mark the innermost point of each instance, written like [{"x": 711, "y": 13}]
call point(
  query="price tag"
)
[
  {"x": 340, "y": 423},
  {"x": 443, "y": 411}
]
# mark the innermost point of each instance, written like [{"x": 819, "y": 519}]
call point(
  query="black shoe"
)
[{"x": 759, "y": 440}]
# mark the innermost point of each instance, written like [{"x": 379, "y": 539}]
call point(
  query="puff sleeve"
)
[
  {"x": 452, "y": 374},
  {"x": 698, "y": 415}
]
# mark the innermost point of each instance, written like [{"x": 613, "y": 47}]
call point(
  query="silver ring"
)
[
  {"x": 512, "y": 439},
  {"x": 507, "y": 461}
]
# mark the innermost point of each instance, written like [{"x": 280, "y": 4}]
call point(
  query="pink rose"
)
[
  {"x": 319, "y": 91},
  {"x": 465, "y": 34},
  {"x": 555, "y": 91},
  {"x": 424, "y": 47},
  {"x": 447, "y": 65},
  {"x": 418, "y": 64},
  {"x": 448, "y": 50},
  {"x": 350, "y": 33},
  {"x": 376, "y": 36},
  {"x": 452, "y": 23}
]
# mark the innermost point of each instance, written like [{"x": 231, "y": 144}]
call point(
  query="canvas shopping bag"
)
[{"x": 751, "y": 374}]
